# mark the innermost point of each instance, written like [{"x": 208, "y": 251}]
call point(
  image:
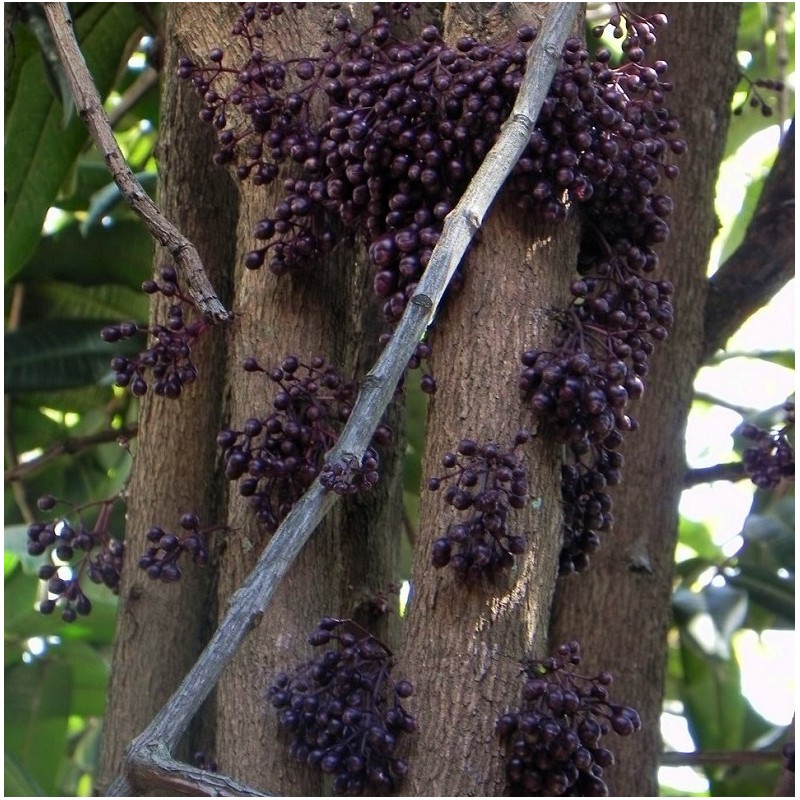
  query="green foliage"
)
[
  {"x": 759, "y": 60},
  {"x": 38, "y": 697},
  {"x": 58, "y": 354},
  {"x": 117, "y": 255},
  {"x": 44, "y": 151},
  {"x": 62, "y": 286}
]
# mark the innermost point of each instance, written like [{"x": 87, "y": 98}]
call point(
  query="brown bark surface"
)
[
  {"x": 329, "y": 310},
  {"x": 463, "y": 646},
  {"x": 620, "y": 608},
  {"x": 162, "y": 627}
]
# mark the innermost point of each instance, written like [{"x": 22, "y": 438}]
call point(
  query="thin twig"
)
[
  {"x": 731, "y": 758},
  {"x": 248, "y": 603},
  {"x": 133, "y": 94},
  {"x": 91, "y": 109},
  {"x": 70, "y": 446},
  {"x": 729, "y": 471},
  {"x": 712, "y": 400}
]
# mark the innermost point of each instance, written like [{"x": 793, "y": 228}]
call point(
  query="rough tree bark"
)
[
  {"x": 463, "y": 646},
  {"x": 330, "y": 311},
  {"x": 620, "y": 608},
  {"x": 162, "y": 628}
]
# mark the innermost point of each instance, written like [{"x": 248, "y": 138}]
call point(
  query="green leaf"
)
[
  {"x": 712, "y": 698},
  {"x": 89, "y": 671},
  {"x": 80, "y": 400},
  {"x": 690, "y": 569},
  {"x": 769, "y": 590},
  {"x": 36, "y": 20},
  {"x": 37, "y": 703},
  {"x": 32, "y": 429},
  {"x": 763, "y": 528},
  {"x": 39, "y": 151},
  {"x": 67, "y": 300},
  {"x": 88, "y": 747},
  {"x": 19, "y": 596},
  {"x": 697, "y": 536},
  {"x": 60, "y": 354},
  {"x": 15, "y": 541},
  {"x": 416, "y": 416},
  {"x": 122, "y": 253},
  {"x": 748, "y": 780},
  {"x": 742, "y": 220},
  {"x": 12, "y": 653},
  {"x": 710, "y": 617},
  {"x": 105, "y": 199},
  {"x": 89, "y": 176},
  {"x": 18, "y": 781},
  {"x": 10, "y": 562}
]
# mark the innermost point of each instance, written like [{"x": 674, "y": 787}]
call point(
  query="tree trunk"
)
[
  {"x": 464, "y": 645},
  {"x": 329, "y": 310},
  {"x": 162, "y": 628},
  {"x": 628, "y": 586}
]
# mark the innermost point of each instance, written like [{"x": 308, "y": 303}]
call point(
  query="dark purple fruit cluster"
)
[
  {"x": 205, "y": 762},
  {"x": 405, "y": 126},
  {"x": 168, "y": 357},
  {"x": 343, "y": 712},
  {"x": 553, "y": 738},
  {"x": 419, "y": 360},
  {"x": 347, "y": 476},
  {"x": 770, "y": 458},
  {"x": 161, "y": 558},
  {"x": 754, "y": 98},
  {"x": 484, "y": 482},
  {"x": 75, "y": 549},
  {"x": 587, "y": 507},
  {"x": 613, "y": 136},
  {"x": 277, "y": 457}
]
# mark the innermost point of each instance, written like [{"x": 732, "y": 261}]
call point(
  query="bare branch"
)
[
  {"x": 91, "y": 109},
  {"x": 743, "y": 411},
  {"x": 161, "y": 774},
  {"x": 133, "y": 94},
  {"x": 731, "y": 758},
  {"x": 69, "y": 446},
  {"x": 730, "y": 471},
  {"x": 247, "y": 604},
  {"x": 763, "y": 262}
]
